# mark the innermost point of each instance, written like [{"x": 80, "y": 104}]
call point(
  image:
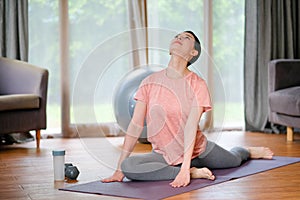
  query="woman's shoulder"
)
[
  {"x": 195, "y": 77},
  {"x": 157, "y": 75}
]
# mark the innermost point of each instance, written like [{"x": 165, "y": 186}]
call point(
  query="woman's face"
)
[{"x": 183, "y": 45}]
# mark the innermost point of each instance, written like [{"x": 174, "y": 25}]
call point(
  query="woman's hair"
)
[{"x": 197, "y": 47}]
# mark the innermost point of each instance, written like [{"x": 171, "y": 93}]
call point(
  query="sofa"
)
[
  {"x": 23, "y": 97},
  {"x": 284, "y": 94}
]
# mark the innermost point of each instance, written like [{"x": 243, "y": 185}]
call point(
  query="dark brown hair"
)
[{"x": 197, "y": 47}]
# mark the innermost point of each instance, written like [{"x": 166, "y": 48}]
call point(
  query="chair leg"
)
[
  {"x": 290, "y": 134},
  {"x": 38, "y": 138}
]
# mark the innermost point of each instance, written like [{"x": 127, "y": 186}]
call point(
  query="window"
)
[{"x": 100, "y": 28}]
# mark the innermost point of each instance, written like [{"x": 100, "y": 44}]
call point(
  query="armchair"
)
[
  {"x": 284, "y": 94},
  {"x": 23, "y": 97}
]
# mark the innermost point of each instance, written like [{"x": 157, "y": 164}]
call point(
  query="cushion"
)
[
  {"x": 19, "y": 101},
  {"x": 286, "y": 101}
]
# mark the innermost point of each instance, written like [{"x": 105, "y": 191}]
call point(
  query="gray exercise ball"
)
[{"x": 123, "y": 99}]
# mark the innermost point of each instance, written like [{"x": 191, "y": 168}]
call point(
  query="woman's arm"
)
[
  {"x": 132, "y": 134},
  {"x": 190, "y": 131},
  {"x": 134, "y": 131}
]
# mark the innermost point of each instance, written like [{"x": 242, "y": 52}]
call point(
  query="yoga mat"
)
[{"x": 161, "y": 189}]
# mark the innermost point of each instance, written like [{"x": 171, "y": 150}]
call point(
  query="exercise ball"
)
[{"x": 123, "y": 99}]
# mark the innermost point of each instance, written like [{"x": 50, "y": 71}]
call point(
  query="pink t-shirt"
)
[{"x": 169, "y": 102}]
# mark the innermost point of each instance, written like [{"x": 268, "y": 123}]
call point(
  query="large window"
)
[{"x": 100, "y": 29}]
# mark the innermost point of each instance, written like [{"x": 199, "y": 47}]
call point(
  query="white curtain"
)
[{"x": 138, "y": 25}]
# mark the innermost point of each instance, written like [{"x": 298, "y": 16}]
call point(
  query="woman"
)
[{"x": 173, "y": 101}]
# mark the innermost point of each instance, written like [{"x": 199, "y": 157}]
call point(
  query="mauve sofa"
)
[
  {"x": 284, "y": 94},
  {"x": 23, "y": 97}
]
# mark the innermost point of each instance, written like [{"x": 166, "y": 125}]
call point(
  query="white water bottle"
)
[{"x": 59, "y": 165}]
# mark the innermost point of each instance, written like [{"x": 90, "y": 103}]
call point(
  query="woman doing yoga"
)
[{"x": 172, "y": 101}]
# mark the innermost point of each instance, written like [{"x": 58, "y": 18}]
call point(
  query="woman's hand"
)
[
  {"x": 182, "y": 179},
  {"x": 118, "y": 176}
]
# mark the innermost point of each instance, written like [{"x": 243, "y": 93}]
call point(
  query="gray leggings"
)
[{"x": 152, "y": 166}]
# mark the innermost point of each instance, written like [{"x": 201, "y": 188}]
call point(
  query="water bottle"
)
[{"x": 59, "y": 164}]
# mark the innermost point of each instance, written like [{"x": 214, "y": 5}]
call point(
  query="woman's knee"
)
[
  {"x": 130, "y": 169},
  {"x": 127, "y": 165},
  {"x": 126, "y": 168}
]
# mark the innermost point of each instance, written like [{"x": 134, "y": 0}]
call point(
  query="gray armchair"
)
[
  {"x": 284, "y": 94},
  {"x": 23, "y": 97}
]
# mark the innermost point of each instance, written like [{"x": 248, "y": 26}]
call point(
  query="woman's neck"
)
[{"x": 177, "y": 67}]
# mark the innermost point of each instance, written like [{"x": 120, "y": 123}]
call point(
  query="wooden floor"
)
[{"x": 27, "y": 173}]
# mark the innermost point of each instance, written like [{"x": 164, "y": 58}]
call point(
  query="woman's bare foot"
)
[
  {"x": 202, "y": 173},
  {"x": 260, "y": 152}
]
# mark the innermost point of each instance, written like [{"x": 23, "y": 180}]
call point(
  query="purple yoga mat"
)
[{"x": 161, "y": 189}]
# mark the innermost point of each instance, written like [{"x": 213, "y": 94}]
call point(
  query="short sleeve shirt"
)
[{"x": 169, "y": 102}]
